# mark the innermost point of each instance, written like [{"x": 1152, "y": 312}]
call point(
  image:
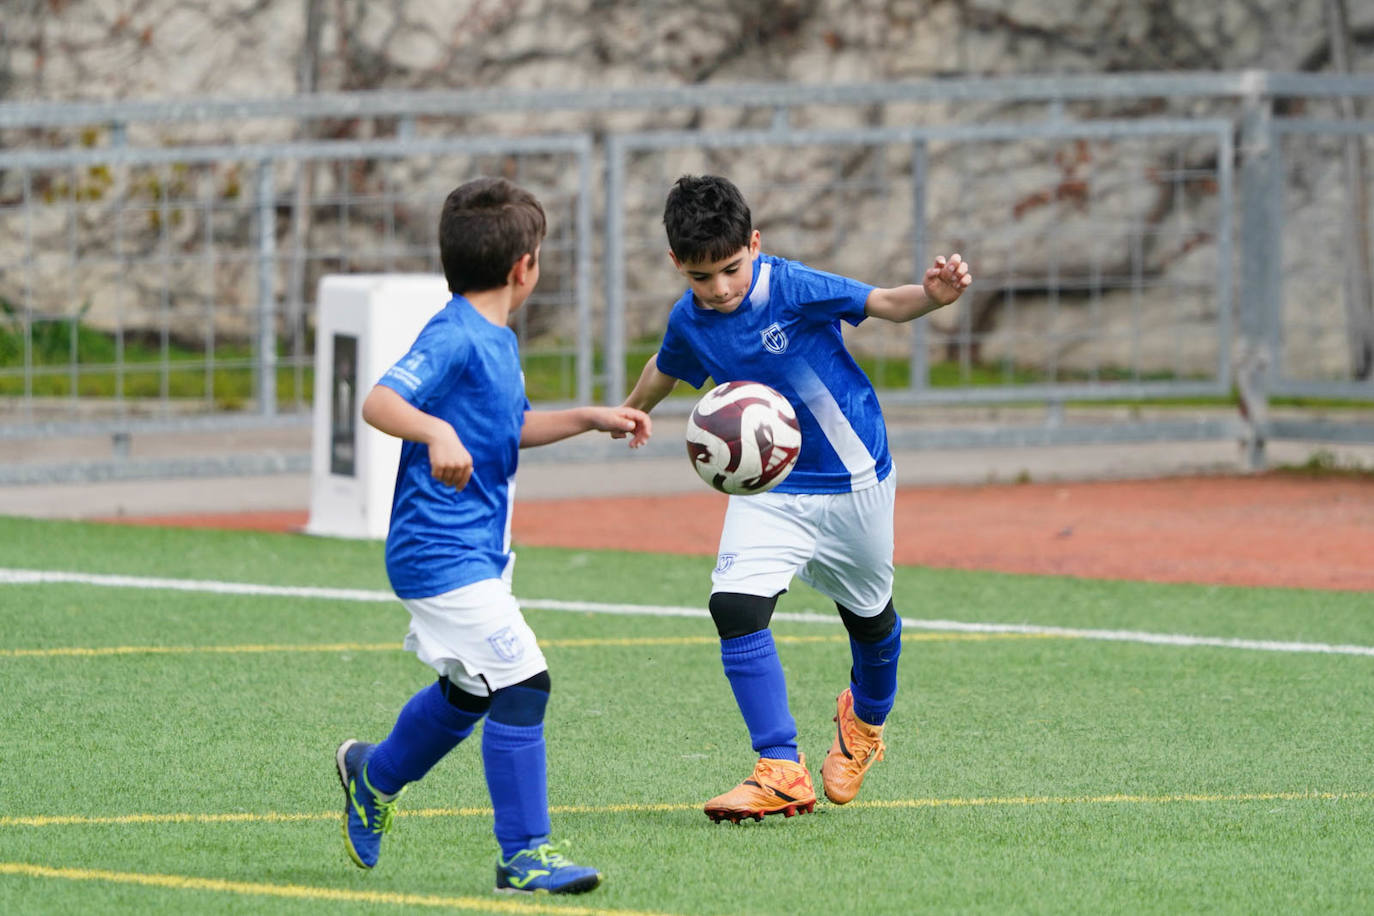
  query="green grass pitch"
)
[{"x": 169, "y": 751}]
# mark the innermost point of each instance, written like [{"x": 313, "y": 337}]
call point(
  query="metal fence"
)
[
  {"x": 130, "y": 272},
  {"x": 878, "y": 184},
  {"x": 1135, "y": 238}
]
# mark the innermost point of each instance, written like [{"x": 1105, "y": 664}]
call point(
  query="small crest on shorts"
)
[
  {"x": 774, "y": 338},
  {"x": 507, "y": 644},
  {"x": 725, "y": 561}
]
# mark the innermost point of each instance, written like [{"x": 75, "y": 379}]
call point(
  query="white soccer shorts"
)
[
  {"x": 475, "y": 636},
  {"x": 838, "y": 543}
]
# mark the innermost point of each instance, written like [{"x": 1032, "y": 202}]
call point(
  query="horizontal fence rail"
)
[{"x": 447, "y": 103}]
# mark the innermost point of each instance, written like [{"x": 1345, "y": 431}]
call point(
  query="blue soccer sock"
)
[
  {"x": 428, "y": 727},
  {"x": 517, "y": 780},
  {"x": 755, "y": 674},
  {"x": 873, "y": 678}
]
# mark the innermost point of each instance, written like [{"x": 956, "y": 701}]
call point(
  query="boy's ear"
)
[
  {"x": 520, "y": 270},
  {"x": 672, "y": 256}
]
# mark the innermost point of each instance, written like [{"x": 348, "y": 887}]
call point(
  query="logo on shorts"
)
[
  {"x": 506, "y": 644},
  {"x": 725, "y": 561},
  {"x": 774, "y": 338}
]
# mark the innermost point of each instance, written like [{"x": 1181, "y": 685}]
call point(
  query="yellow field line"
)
[
  {"x": 58, "y": 820},
  {"x": 580, "y": 643},
  {"x": 305, "y": 892},
  {"x": 95, "y": 651},
  {"x": 235, "y": 817}
]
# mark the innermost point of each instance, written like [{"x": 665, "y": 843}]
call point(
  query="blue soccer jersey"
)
[
  {"x": 786, "y": 334},
  {"x": 465, "y": 370}
]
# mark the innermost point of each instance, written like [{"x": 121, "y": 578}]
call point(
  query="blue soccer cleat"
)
[
  {"x": 367, "y": 817},
  {"x": 543, "y": 870}
]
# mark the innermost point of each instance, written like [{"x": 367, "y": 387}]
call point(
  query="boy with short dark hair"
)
[
  {"x": 457, "y": 398},
  {"x": 749, "y": 316}
]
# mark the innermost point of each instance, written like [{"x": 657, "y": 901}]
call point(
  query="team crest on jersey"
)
[
  {"x": 774, "y": 338},
  {"x": 506, "y": 644},
  {"x": 725, "y": 561}
]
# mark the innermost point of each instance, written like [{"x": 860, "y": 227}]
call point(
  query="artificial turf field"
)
[{"x": 170, "y": 749}]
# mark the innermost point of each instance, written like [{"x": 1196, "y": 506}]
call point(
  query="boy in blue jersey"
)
[
  {"x": 457, "y": 398},
  {"x": 749, "y": 316}
]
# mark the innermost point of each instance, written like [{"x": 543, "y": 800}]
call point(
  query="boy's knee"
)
[
  {"x": 869, "y": 629},
  {"x": 522, "y": 704},
  {"x": 739, "y": 615},
  {"x": 540, "y": 681},
  {"x": 461, "y": 699}
]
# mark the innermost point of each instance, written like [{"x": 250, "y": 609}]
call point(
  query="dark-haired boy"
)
[
  {"x": 457, "y": 398},
  {"x": 755, "y": 317}
]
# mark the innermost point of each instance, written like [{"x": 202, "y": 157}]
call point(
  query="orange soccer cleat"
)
[
  {"x": 776, "y": 787},
  {"x": 857, "y": 747}
]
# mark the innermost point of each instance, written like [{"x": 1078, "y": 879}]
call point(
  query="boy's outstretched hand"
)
[
  {"x": 623, "y": 421},
  {"x": 947, "y": 279}
]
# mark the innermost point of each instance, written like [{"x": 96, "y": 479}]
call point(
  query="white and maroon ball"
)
[{"x": 743, "y": 438}]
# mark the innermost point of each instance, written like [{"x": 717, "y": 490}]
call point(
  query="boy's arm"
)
[
  {"x": 545, "y": 426},
  {"x": 943, "y": 284},
  {"x": 652, "y": 387},
  {"x": 449, "y": 461}
]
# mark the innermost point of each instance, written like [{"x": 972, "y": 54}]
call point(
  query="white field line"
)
[{"x": 45, "y": 577}]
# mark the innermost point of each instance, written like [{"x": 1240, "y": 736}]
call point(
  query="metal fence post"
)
[
  {"x": 919, "y": 358},
  {"x": 583, "y": 273},
  {"x": 614, "y": 391},
  {"x": 266, "y": 374},
  {"x": 1261, "y": 276}
]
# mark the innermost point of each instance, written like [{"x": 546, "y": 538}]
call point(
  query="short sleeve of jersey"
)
[
  {"x": 676, "y": 357},
  {"x": 825, "y": 296},
  {"x": 436, "y": 354}
]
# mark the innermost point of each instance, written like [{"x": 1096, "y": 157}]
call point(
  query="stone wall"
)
[
  {"x": 61, "y": 50},
  {"x": 109, "y": 49}
]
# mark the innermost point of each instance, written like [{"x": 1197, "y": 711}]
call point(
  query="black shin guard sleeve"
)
[
  {"x": 869, "y": 629},
  {"x": 739, "y": 615},
  {"x": 522, "y": 704},
  {"x": 460, "y": 698}
]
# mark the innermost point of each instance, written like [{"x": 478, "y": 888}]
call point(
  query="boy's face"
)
[{"x": 721, "y": 285}]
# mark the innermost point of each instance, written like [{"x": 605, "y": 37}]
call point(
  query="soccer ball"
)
[{"x": 743, "y": 438}]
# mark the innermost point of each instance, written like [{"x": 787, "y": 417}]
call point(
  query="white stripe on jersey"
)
[
  {"x": 863, "y": 470},
  {"x": 510, "y": 514},
  {"x": 758, "y": 297}
]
